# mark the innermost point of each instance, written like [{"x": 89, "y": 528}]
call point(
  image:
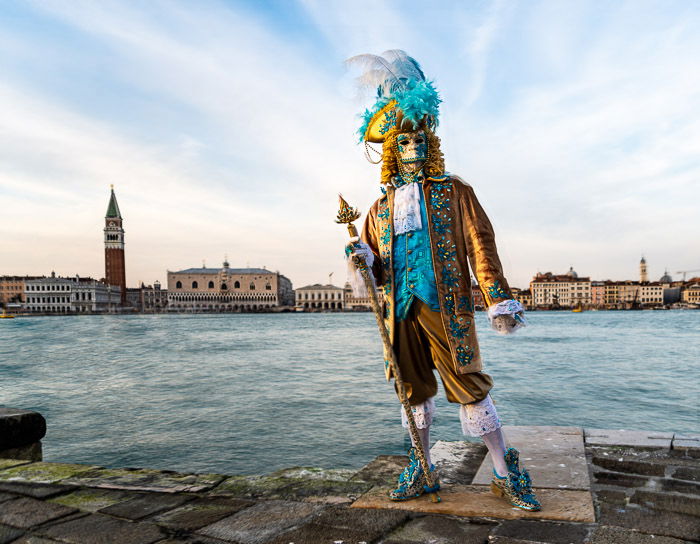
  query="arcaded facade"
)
[{"x": 228, "y": 290}]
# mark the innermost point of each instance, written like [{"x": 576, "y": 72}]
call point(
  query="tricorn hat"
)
[{"x": 404, "y": 100}]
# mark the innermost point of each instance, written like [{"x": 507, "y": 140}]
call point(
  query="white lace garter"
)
[
  {"x": 422, "y": 414},
  {"x": 479, "y": 418},
  {"x": 507, "y": 307},
  {"x": 407, "y": 208}
]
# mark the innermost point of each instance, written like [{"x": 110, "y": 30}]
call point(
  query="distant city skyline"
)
[{"x": 227, "y": 129}]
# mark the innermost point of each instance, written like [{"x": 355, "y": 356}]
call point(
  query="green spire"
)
[{"x": 113, "y": 208}]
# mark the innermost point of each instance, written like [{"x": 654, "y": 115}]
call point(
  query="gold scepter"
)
[{"x": 346, "y": 216}]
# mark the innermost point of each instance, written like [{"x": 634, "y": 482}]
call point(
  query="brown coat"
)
[{"x": 460, "y": 235}]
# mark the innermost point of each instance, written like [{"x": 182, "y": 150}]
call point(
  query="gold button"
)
[
  {"x": 410, "y": 269},
  {"x": 411, "y": 286},
  {"x": 409, "y": 251},
  {"x": 410, "y": 234}
]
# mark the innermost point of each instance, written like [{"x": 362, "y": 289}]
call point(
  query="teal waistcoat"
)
[{"x": 413, "y": 267}]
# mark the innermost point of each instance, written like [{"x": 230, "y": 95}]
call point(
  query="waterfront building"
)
[
  {"x": 565, "y": 290},
  {"x": 59, "y": 295},
  {"x": 477, "y": 296},
  {"x": 227, "y": 290},
  {"x": 598, "y": 294},
  {"x": 320, "y": 297},
  {"x": 153, "y": 298},
  {"x": 651, "y": 294},
  {"x": 12, "y": 289},
  {"x": 115, "y": 266},
  {"x": 524, "y": 296},
  {"x": 351, "y": 302},
  {"x": 690, "y": 294}
]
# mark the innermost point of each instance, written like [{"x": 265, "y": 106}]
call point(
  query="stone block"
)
[
  {"x": 630, "y": 466},
  {"x": 7, "y": 496},
  {"x": 28, "y": 452},
  {"x": 618, "y": 479},
  {"x": 32, "y": 539},
  {"x": 47, "y": 473},
  {"x": 684, "y": 442},
  {"x": 478, "y": 501},
  {"x": 670, "y": 502},
  {"x": 680, "y": 486},
  {"x": 144, "y": 505},
  {"x": 141, "y": 479},
  {"x": 20, "y": 427},
  {"x": 92, "y": 499},
  {"x": 26, "y": 512},
  {"x": 555, "y": 457},
  {"x": 38, "y": 491},
  {"x": 439, "y": 530},
  {"x": 457, "y": 462},
  {"x": 370, "y": 523},
  {"x": 319, "y": 534},
  {"x": 509, "y": 540},
  {"x": 623, "y": 437},
  {"x": 618, "y": 535},
  {"x": 8, "y": 534},
  {"x": 650, "y": 522},
  {"x": 383, "y": 470},
  {"x": 261, "y": 522},
  {"x": 200, "y": 512},
  {"x": 613, "y": 496},
  {"x": 293, "y": 485},
  {"x": 543, "y": 531},
  {"x": 100, "y": 529},
  {"x": 687, "y": 473},
  {"x": 8, "y": 463}
]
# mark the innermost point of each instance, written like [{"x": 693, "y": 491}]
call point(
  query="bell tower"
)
[
  {"x": 115, "y": 269},
  {"x": 643, "y": 277}
]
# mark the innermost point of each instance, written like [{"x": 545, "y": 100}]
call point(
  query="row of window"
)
[
  {"x": 224, "y": 287},
  {"x": 325, "y": 296},
  {"x": 48, "y": 287}
]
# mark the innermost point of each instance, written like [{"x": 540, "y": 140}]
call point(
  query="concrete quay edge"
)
[{"x": 646, "y": 489}]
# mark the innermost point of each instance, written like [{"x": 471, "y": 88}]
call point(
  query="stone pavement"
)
[{"x": 642, "y": 488}]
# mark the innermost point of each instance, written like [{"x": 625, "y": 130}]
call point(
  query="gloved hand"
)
[
  {"x": 360, "y": 249},
  {"x": 505, "y": 324}
]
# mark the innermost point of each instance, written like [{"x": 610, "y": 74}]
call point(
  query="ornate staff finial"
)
[{"x": 346, "y": 215}]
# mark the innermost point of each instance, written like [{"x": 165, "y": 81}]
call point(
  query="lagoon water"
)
[{"x": 250, "y": 393}]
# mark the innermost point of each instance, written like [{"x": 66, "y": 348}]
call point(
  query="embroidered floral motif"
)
[
  {"x": 389, "y": 121},
  {"x": 450, "y": 303},
  {"x": 440, "y": 224},
  {"x": 496, "y": 291},
  {"x": 446, "y": 251},
  {"x": 384, "y": 214},
  {"x": 456, "y": 328},
  {"x": 465, "y": 304},
  {"x": 449, "y": 278},
  {"x": 464, "y": 355},
  {"x": 386, "y": 236}
]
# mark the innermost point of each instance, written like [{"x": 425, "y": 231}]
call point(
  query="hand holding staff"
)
[{"x": 346, "y": 215}]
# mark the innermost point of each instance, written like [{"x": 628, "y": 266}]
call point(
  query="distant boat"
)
[
  {"x": 5, "y": 315},
  {"x": 578, "y": 308}
]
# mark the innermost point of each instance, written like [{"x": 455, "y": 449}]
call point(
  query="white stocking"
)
[
  {"x": 423, "y": 416},
  {"x": 481, "y": 419}
]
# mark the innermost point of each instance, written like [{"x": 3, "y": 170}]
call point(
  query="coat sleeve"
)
[
  {"x": 481, "y": 248},
  {"x": 370, "y": 237}
]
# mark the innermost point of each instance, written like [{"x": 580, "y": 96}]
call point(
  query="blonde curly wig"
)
[{"x": 434, "y": 166}]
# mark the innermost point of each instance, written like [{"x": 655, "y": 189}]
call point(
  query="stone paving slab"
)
[
  {"x": 32, "y": 539},
  {"x": 46, "y": 473},
  {"x": 145, "y": 505},
  {"x": 25, "y": 512},
  {"x": 100, "y": 529},
  {"x": 440, "y": 529},
  {"x": 8, "y": 534},
  {"x": 555, "y": 457},
  {"x": 544, "y": 531},
  {"x": 38, "y": 491},
  {"x": 622, "y": 437},
  {"x": 383, "y": 470},
  {"x": 685, "y": 441},
  {"x": 457, "y": 462},
  {"x": 261, "y": 522},
  {"x": 145, "y": 480},
  {"x": 7, "y": 463},
  {"x": 92, "y": 499},
  {"x": 478, "y": 501},
  {"x": 200, "y": 512}
]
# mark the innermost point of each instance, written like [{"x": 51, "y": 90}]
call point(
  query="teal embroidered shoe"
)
[{"x": 412, "y": 480}]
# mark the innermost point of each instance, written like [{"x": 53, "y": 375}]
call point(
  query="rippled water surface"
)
[{"x": 252, "y": 393}]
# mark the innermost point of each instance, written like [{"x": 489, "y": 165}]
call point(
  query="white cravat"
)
[{"x": 407, "y": 208}]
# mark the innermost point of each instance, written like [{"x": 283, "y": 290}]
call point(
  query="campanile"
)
[{"x": 115, "y": 270}]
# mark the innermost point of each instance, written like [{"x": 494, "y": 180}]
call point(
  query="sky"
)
[{"x": 228, "y": 129}]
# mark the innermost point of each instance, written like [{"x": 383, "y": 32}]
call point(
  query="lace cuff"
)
[
  {"x": 479, "y": 418},
  {"x": 507, "y": 307},
  {"x": 357, "y": 282},
  {"x": 422, "y": 413}
]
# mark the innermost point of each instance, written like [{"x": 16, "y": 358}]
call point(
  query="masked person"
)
[{"x": 419, "y": 239}]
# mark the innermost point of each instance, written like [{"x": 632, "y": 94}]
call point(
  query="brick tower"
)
[{"x": 115, "y": 270}]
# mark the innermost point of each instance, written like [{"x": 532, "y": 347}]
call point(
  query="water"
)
[{"x": 253, "y": 393}]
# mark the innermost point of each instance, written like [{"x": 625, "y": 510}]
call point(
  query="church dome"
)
[
  {"x": 572, "y": 273},
  {"x": 666, "y": 278}
]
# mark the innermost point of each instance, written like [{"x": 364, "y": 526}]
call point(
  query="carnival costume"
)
[{"x": 419, "y": 239}]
